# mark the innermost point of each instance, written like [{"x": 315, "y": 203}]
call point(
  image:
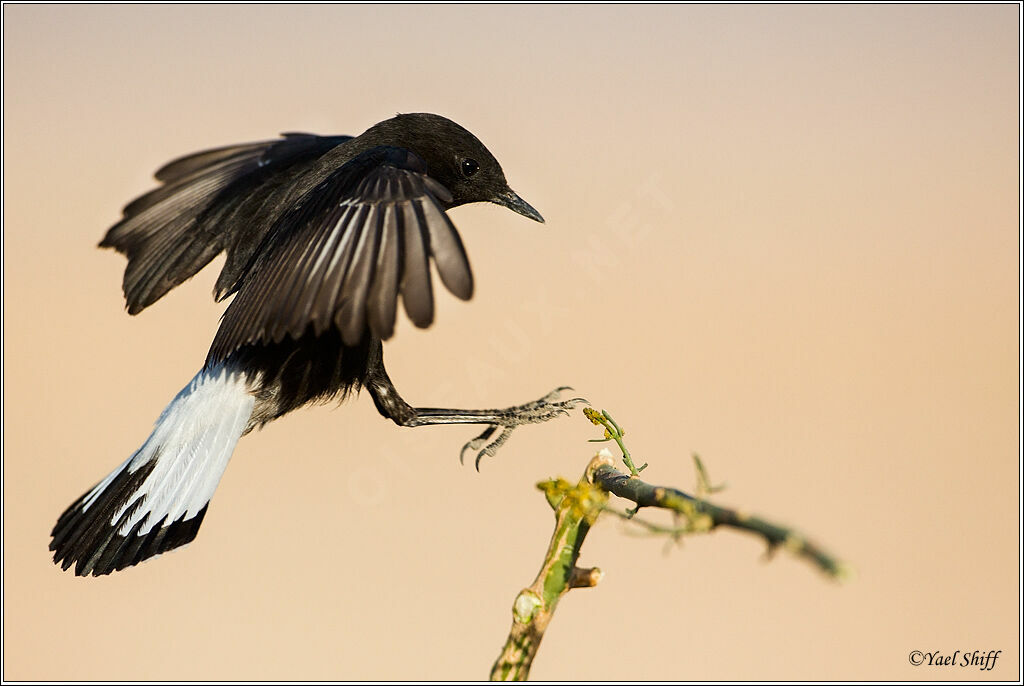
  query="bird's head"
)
[{"x": 454, "y": 157}]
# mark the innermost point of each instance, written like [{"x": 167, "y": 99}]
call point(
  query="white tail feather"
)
[
  {"x": 156, "y": 499},
  {"x": 191, "y": 443}
]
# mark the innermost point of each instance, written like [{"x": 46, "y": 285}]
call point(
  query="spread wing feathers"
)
[
  {"x": 172, "y": 232},
  {"x": 345, "y": 252}
]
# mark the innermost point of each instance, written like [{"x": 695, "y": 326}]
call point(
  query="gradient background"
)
[{"x": 783, "y": 237}]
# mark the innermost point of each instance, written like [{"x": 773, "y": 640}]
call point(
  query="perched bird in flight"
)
[{"x": 323, "y": 235}]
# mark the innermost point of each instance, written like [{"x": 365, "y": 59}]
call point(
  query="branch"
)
[
  {"x": 576, "y": 509},
  {"x": 705, "y": 516}
]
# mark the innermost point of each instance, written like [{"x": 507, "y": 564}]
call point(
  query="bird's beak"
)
[{"x": 512, "y": 201}]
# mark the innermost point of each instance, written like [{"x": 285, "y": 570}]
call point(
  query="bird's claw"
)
[
  {"x": 534, "y": 412},
  {"x": 488, "y": 449}
]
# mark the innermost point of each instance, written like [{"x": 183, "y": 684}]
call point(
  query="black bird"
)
[{"x": 322, "y": 235}]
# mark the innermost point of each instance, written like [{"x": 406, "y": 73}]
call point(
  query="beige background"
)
[{"x": 783, "y": 237}]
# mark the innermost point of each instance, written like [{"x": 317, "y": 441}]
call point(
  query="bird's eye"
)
[{"x": 469, "y": 167}]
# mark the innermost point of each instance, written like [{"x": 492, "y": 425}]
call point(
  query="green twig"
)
[
  {"x": 612, "y": 432},
  {"x": 704, "y": 486}
]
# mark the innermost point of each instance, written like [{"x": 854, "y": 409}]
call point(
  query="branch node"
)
[
  {"x": 526, "y": 606},
  {"x": 604, "y": 458},
  {"x": 585, "y": 578}
]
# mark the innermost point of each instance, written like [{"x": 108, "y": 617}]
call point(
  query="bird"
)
[{"x": 323, "y": 236}]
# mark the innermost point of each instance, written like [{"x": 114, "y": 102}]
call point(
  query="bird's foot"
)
[{"x": 534, "y": 412}]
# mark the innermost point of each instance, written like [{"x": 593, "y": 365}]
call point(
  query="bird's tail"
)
[{"x": 156, "y": 500}]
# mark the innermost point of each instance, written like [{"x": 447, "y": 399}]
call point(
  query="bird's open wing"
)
[
  {"x": 207, "y": 203},
  {"x": 345, "y": 251}
]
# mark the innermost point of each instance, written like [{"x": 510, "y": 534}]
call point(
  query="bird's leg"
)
[{"x": 392, "y": 406}]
